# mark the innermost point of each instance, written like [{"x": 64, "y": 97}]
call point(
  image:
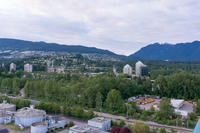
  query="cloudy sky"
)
[{"x": 121, "y": 26}]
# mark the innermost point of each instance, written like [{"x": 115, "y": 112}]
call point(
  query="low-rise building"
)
[
  {"x": 177, "y": 103},
  {"x": 102, "y": 123},
  {"x": 60, "y": 69},
  {"x": 50, "y": 69},
  {"x": 84, "y": 129},
  {"x": 95, "y": 125},
  {"x": 184, "y": 114},
  {"x": 131, "y": 99}
]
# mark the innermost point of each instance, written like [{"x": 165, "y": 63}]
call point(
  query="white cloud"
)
[{"x": 121, "y": 26}]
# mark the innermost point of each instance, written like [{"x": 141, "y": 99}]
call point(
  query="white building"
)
[
  {"x": 95, "y": 125},
  {"x": 60, "y": 69},
  {"x": 131, "y": 99},
  {"x": 177, "y": 104},
  {"x": 127, "y": 69},
  {"x": 79, "y": 129},
  {"x": 84, "y": 129},
  {"x": 12, "y": 67},
  {"x": 28, "y": 68},
  {"x": 184, "y": 114},
  {"x": 141, "y": 69},
  {"x": 50, "y": 69},
  {"x": 102, "y": 123}
]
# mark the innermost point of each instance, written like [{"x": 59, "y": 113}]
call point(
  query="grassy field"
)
[{"x": 13, "y": 127}]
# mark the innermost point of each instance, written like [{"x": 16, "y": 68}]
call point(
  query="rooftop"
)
[
  {"x": 175, "y": 103},
  {"x": 127, "y": 65},
  {"x": 77, "y": 128},
  {"x": 6, "y": 106},
  {"x": 139, "y": 63},
  {"x": 86, "y": 128},
  {"x": 99, "y": 120},
  {"x": 29, "y": 112},
  {"x": 39, "y": 124}
]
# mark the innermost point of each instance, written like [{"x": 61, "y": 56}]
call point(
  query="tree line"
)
[{"x": 181, "y": 86}]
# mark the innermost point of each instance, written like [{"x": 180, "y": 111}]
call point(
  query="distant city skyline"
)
[{"x": 122, "y": 27}]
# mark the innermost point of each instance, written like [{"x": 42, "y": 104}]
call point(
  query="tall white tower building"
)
[
  {"x": 12, "y": 67},
  {"x": 127, "y": 69},
  {"x": 141, "y": 69},
  {"x": 28, "y": 68}
]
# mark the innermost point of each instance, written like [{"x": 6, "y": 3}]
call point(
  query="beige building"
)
[
  {"x": 12, "y": 67},
  {"x": 28, "y": 68},
  {"x": 127, "y": 69}
]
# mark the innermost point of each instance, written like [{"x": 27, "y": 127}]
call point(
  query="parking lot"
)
[
  {"x": 148, "y": 105},
  {"x": 187, "y": 107}
]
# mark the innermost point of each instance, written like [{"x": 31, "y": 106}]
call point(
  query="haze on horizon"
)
[{"x": 121, "y": 26}]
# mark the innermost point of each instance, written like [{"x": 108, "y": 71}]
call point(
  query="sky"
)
[{"x": 121, "y": 26}]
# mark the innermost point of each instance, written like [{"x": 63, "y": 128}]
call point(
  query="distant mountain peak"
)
[{"x": 166, "y": 51}]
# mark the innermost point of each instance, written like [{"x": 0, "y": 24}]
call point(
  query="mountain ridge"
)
[
  {"x": 22, "y": 45},
  {"x": 179, "y": 51}
]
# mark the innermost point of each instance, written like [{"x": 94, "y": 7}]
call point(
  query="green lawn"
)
[{"x": 13, "y": 127}]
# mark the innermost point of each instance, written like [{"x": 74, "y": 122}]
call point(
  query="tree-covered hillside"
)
[
  {"x": 21, "y": 45},
  {"x": 181, "y": 51}
]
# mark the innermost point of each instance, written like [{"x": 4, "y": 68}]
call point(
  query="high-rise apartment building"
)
[
  {"x": 141, "y": 69},
  {"x": 28, "y": 68},
  {"x": 127, "y": 69},
  {"x": 12, "y": 67}
]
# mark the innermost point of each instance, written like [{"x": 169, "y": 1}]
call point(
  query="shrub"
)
[
  {"x": 122, "y": 123},
  {"x": 115, "y": 130},
  {"x": 162, "y": 130},
  {"x": 125, "y": 130},
  {"x": 71, "y": 124}
]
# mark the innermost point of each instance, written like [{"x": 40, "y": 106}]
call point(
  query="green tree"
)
[
  {"x": 64, "y": 108},
  {"x": 114, "y": 101},
  {"x": 27, "y": 89},
  {"x": 122, "y": 123},
  {"x": 79, "y": 113},
  {"x": 90, "y": 114},
  {"x": 99, "y": 99},
  {"x": 166, "y": 109},
  {"x": 172, "y": 130},
  {"x": 139, "y": 127},
  {"x": 152, "y": 110},
  {"x": 154, "y": 130},
  {"x": 68, "y": 111},
  {"x": 162, "y": 130},
  {"x": 71, "y": 124},
  {"x": 197, "y": 108},
  {"x": 15, "y": 87}
]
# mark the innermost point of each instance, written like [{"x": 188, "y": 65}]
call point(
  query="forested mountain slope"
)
[
  {"x": 21, "y": 45},
  {"x": 181, "y": 51}
]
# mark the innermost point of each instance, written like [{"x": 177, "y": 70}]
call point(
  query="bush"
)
[
  {"x": 172, "y": 130},
  {"x": 122, "y": 123},
  {"x": 162, "y": 130},
  {"x": 71, "y": 124},
  {"x": 90, "y": 114},
  {"x": 125, "y": 130},
  {"x": 115, "y": 130}
]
